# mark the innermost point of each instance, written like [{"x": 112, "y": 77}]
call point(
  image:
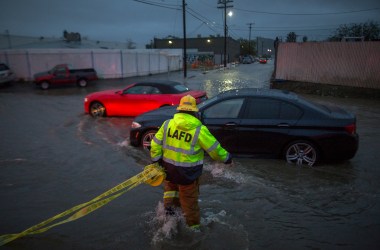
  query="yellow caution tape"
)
[
  {"x": 157, "y": 179},
  {"x": 153, "y": 174}
]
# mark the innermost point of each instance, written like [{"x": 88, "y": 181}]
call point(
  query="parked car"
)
[
  {"x": 247, "y": 60},
  {"x": 263, "y": 60},
  {"x": 138, "y": 98},
  {"x": 266, "y": 123},
  {"x": 6, "y": 74},
  {"x": 63, "y": 74}
]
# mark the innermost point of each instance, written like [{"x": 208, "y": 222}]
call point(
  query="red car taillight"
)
[{"x": 351, "y": 129}]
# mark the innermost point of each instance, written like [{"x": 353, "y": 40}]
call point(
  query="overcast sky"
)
[{"x": 142, "y": 20}]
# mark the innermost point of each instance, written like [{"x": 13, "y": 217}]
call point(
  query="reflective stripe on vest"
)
[
  {"x": 183, "y": 164},
  {"x": 157, "y": 141},
  {"x": 214, "y": 146},
  {"x": 181, "y": 150},
  {"x": 154, "y": 159},
  {"x": 165, "y": 129},
  {"x": 171, "y": 194}
]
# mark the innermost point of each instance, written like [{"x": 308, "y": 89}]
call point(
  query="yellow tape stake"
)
[{"x": 151, "y": 172}]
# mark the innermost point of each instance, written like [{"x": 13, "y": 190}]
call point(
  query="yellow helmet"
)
[{"x": 188, "y": 103}]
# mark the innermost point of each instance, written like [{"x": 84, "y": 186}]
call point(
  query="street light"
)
[{"x": 184, "y": 39}]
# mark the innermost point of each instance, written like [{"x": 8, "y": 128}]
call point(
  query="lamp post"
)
[
  {"x": 184, "y": 39},
  {"x": 9, "y": 39}
]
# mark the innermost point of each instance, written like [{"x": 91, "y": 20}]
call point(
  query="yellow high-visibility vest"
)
[{"x": 181, "y": 141}]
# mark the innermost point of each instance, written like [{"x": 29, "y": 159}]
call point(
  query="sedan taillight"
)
[{"x": 351, "y": 129}]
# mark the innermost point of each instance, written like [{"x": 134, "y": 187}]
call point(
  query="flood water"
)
[{"x": 53, "y": 157}]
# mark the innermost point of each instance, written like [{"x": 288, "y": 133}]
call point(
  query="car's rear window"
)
[{"x": 314, "y": 105}]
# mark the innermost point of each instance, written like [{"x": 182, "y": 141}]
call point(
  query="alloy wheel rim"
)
[{"x": 301, "y": 154}]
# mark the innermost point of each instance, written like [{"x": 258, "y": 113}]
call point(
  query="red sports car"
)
[{"x": 138, "y": 98}]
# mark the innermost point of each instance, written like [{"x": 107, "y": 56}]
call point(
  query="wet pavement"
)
[{"x": 53, "y": 157}]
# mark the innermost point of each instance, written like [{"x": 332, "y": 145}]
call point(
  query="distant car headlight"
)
[{"x": 135, "y": 125}]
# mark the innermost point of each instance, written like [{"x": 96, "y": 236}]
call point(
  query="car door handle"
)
[
  {"x": 230, "y": 125},
  {"x": 283, "y": 125}
]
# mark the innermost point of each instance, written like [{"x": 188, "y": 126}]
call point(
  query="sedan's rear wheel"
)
[
  {"x": 147, "y": 138},
  {"x": 97, "y": 109},
  {"x": 301, "y": 153}
]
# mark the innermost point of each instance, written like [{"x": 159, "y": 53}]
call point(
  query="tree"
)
[
  {"x": 369, "y": 31},
  {"x": 304, "y": 39},
  {"x": 131, "y": 44},
  {"x": 72, "y": 36},
  {"x": 150, "y": 45},
  {"x": 247, "y": 47},
  {"x": 291, "y": 37}
]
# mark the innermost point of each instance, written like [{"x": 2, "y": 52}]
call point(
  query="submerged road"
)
[{"x": 53, "y": 157}]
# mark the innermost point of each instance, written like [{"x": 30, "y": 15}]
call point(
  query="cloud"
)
[{"x": 119, "y": 20}]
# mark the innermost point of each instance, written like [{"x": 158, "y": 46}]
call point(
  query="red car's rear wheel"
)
[{"x": 97, "y": 109}]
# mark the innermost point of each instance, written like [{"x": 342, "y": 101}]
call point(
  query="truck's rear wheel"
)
[
  {"x": 45, "y": 85},
  {"x": 82, "y": 83}
]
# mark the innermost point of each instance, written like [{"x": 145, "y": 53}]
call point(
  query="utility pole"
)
[
  {"x": 223, "y": 4},
  {"x": 249, "y": 40},
  {"x": 184, "y": 39},
  {"x": 9, "y": 39}
]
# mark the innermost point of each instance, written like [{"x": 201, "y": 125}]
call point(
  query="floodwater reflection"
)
[{"x": 54, "y": 157}]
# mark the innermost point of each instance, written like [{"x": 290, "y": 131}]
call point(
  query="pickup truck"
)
[
  {"x": 6, "y": 74},
  {"x": 62, "y": 74}
]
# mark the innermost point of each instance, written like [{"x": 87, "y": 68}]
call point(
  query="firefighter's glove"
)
[
  {"x": 159, "y": 162},
  {"x": 229, "y": 160}
]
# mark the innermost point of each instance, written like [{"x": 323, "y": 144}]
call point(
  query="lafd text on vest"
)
[{"x": 182, "y": 135}]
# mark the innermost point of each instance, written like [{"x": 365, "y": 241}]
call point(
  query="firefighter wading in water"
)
[{"x": 179, "y": 147}]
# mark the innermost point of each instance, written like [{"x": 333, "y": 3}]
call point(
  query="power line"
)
[
  {"x": 189, "y": 10},
  {"x": 203, "y": 19},
  {"x": 307, "y": 14},
  {"x": 217, "y": 27},
  {"x": 162, "y": 5},
  {"x": 283, "y": 29}
]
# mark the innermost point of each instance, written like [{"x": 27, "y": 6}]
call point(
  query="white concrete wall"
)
[{"x": 108, "y": 63}]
